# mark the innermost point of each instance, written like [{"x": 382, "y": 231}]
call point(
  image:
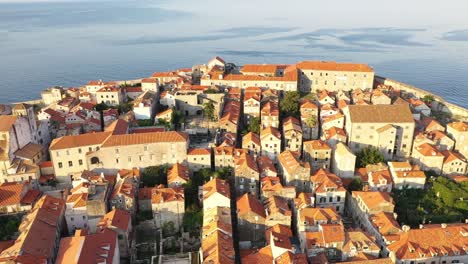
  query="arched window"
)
[{"x": 94, "y": 160}]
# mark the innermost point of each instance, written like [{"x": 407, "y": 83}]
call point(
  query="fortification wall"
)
[{"x": 439, "y": 105}]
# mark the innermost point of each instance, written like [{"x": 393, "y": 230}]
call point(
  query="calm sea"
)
[{"x": 69, "y": 43}]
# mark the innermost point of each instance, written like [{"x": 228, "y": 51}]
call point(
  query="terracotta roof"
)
[
  {"x": 163, "y": 195},
  {"x": 199, "y": 151},
  {"x": 317, "y": 144},
  {"x": 149, "y": 80},
  {"x": 431, "y": 240},
  {"x": 270, "y": 108},
  {"x": 312, "y": 215},
  {"x": 270, "y": 131},
  {"x": 276, "y": 204},
  {"x": 428, "y": 150},
  {"x": 6, "y": 122},
  {"x": 171, "y": 74},
  {"x": 145, "y": 138},
  {"x": 372, "y": 261},
  {"x": 118, "y": 218},
  {"x": 11, "y": 193},
  {"x": 380, "y": 114},
  {"x": 251, "y": 137},
  {"x": 334, "y": 131},
  {"x": 385, "y": 223},
  {"x": 245, "y": 160},
  {"x": 324, "y": 180},
  {"x": 308, "y": 104},
  {"x": 262, "y": 256},
  {"x": 88, "y": 248},
  {"x": 358, "y": 239},
  {"x": 378, "y": 176},
  {"x": 304, "y": 200},
  {"x": 109, "y": 89},
  {"x": 178, "y": 172},
  {"x": 29, "y": 151},
  {"x": 218, "y": 248},
  {"x": 118, "y": 127},
  {"x": 216, "y": 185},
  {"x": 333, "y": 66},
  {"x": 79, "y": 140},
  {"x": 291, "y": 123},
  {"x": 248, "y": 203},
  {"x": 259, "y": 68},
  {"x": 265, "y": 163},
  {"x": 373, "y": 200},
  {"x": 38, "y": 232},
  {"x": 450, "y": 156},
  {"x": 291, "y": 162},
  {"x": 459, "y": 126}
]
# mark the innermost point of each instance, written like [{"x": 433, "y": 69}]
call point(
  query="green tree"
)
[
  {"x": 145, "y": 122},
  {"x": 254, "y": 125},
  {"x": 428, "y": 98},
  {"x": 154, "y": 175},
  {"x": 209, "y": 110},
  {"x": 311, "y": 121},
  {"x": 289, "y": 106},
  {"x": 178, "y": 118},
  {"x": 101, "y": 107},
  {"x": 369, "y": 155},
  {"x": 356, "y": 185}
]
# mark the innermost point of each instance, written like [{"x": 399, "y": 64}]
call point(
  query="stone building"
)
[{"x": 389, "y": 128}]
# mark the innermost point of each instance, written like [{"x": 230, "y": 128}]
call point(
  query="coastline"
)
[{"x": 440, "y": 104}]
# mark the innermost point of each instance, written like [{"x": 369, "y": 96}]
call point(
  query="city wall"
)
[{"x": 439, "y": 105}]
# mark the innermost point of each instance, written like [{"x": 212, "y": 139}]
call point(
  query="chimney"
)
[
  {"x": 443, "y": 225},
  {"x": 405, "y": 228},
  {"x": 421, "y": 226}
]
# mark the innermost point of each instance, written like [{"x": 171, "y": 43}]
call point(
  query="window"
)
[
  {"x": 146, "y": 148},
  {"x": 80, "y": 162},
  {"x": 116, "y": 151},
  {"x": 79, "y": 150},
  {"x": 330, "y": 199},
  {"x": 117, "y": 161},
  {"x": 70, "y": 163},
  {"x": 94, "y": 160},
  {"x": 72, "y": 219},
  {"x": 338, "y": 198},
  {"x": 84, "y": 217},
  {"x": 60, "y": 165}
]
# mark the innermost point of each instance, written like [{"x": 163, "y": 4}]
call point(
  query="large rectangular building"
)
[
  {"x": 389, "y": 128},
  {"x": 333, "y": 76},
  {"x": 105, "y": 150}
]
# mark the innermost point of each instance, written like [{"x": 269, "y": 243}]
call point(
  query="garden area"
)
[
  {"x": 9, "y": 226},
  {"x": 443, "y": 201},
  {"x": 193, "y": 218}
]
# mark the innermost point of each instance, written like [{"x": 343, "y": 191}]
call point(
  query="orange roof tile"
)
[
  {"x": 248, "y": 203},
  {"x": 216, "y": 185},
  {"x": 178, "y": 172},
  {"x": 427, "y": 149},
  {"x": 118, "y": 218},
  {"x": 270, "y": 131},
  {"x": 323, "y": 180},
  {"x": 459, "y": 126},
  {"x": 251, "y": 137},
  {"x": 145, "y": 138},
  {"x": 312, "y": 215},
  {"x": 199, "y": 151},
  {"x": 11, "y": 193},
  {"x": 450, "y": 156},
  {"x": 316, "y": 145},
  {"x": 431, "y": 240},
  {"x": 6, "y": 122},
  {"x": 373, "y": 200},
  {"x": 333, "y": 66}
]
